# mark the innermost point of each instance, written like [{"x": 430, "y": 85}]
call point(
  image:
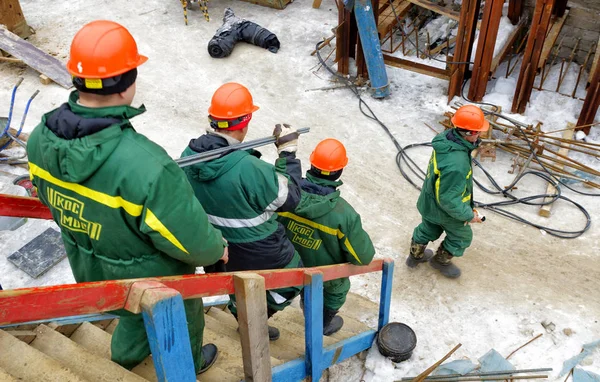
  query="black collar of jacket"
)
[
  {"x": 72, "y": 120},
  {"x": 453, "y": 135}
]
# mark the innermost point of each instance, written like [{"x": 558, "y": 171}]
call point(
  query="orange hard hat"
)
[
  {"x": 231, "y": 101},
  {"x": 470, "y": 117},
  {"x": 329, "y": 155},
  {"x": 103, "y": 49}
]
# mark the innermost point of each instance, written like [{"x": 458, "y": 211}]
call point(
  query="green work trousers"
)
[
  {"x": 458, "y": 235},
  {"x": 130, "y": 345},
  {"x": 277, "y": 299},
  {"x": 334, "y": 293}
]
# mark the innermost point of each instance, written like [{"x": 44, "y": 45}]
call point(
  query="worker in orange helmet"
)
[
  {"x": 446, "y": 200},
  {"x": 110, "y": 189},
  {"x": 325, "y": 229},
  {"x": 243, "y": 194}
]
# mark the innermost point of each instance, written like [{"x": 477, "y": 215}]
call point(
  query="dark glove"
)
[{"x": 286, "y": 138}]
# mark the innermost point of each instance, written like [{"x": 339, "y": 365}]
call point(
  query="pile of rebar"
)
[{"x": 486, "y": 376}]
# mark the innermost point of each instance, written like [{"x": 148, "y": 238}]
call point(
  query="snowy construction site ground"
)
[{"x": 517, "y": 281}]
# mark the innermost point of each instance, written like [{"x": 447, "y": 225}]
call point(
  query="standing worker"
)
[
  {"x": 325, "y": 229},
  {"x": 111, "y": 190},
  {"x": 242, "y": 193},
  {"x": 446, "y": 200}
]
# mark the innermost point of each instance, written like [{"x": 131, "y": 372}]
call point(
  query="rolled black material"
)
[
  {"x": 396, "y": 341},
  {"x": 236, "y": 29}
]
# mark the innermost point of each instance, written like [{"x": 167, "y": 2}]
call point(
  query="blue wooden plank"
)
[
  {"x": 385, "y": 300},
  {"x": 167, "y": 331},
  {"x": 68, "y": 320},
  {"x": 347, "y": 348},
  {"x": 369, "y": 38},
  {"x": 291, "y": 371},
  {"x": 313, "y": 319}
]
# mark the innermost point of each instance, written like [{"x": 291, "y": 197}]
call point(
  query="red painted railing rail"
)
[
  {"x": 40, "y": 303},
  {"x": 23, "y": 207}
]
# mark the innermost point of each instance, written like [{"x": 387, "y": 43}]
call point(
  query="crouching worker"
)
[
  {"x": 111, "y": 190},
  {"x": 325, "y": 229},
  {"x": 446, "y": 200},
  {"x": 242, "y": 194}
]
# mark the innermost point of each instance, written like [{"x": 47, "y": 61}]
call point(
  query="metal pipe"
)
[
  {"x": 571, "y": 57},
  {"x": 560, "y": 74},
  {"x": 213, "y": 154},
  {"x": 478, "y": 374}
]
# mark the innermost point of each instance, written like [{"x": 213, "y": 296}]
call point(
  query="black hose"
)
[{"x": 505, "y": 192}]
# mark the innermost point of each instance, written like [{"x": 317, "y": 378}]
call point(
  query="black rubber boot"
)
[
  {"x": 210, "y": 354},
  {"x": 273, "y": 332},
  {"x": 442, "y": 262},
  {"x": 331, "y": 322},
  {"x": 418, "y": 254}
]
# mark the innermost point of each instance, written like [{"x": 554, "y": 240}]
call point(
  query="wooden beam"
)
[
  {"x": 387, "y": 18},
  {"x": 11, "y": 15},
  {"x": 316, "y": 3},
  {"x": 595, "y": 63},
  {"x": 252, "y": 321},
  {"x": 551, "y": 190},
  {"x": 40, "y": 303},
  {"x": 342, "y": 45},
  {"x": 551, "y": 38},
  {"x": 416, "y": 67},
  {"x": 515, "y": 10},
  {"x": 591, "y": 102},
  {"x": 464, "y": 44},
  {"x": 535, "y": 42},
  {"x": 486, "y": 44},
  {"x": 437, "y": 9},
  {"x": 23, "y": 206},
  {"x": 506, "y": 48}
]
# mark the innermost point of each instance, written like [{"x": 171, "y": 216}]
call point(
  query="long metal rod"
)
[
  {"x": 491, "y": 378},
  {"x": 213, "y": 154},
  {"x": 502, "y": 372}
]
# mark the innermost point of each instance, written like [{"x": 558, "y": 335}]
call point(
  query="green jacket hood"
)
[
  {"x": 206, "y": 171},
  {"x": 449, "y": 141},
  {"x": 77, "y": 139},
  {"x": 319, "y": 196}
]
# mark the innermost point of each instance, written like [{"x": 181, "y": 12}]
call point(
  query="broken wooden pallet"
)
[{"x": 35, "y": 58}]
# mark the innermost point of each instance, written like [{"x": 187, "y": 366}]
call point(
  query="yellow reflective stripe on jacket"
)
[
  {"x": 439, "y": 175},
  {"x": 97, "y": 196},
  {"x": 110, "y": 201},
  {"x": 152, "y": 221},
  {"x": 466, "y": 198},
  {"x": 323, "y": 228}
]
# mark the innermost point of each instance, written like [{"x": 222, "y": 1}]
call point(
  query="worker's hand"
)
[
  {"x": 225, "y": 256},
  {"x": 476, "y": 219},
  {"x": 286, "y": 138}
]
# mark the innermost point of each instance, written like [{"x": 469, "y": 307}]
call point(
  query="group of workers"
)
[{"x": 126, "y": 210}]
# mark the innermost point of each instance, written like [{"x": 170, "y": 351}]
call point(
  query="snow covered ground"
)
[{"x": 514, "y": 278}]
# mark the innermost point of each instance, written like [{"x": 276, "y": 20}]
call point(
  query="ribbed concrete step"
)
[
  {"x": 111, "y": 327},
  {"x": 93, "y": 339},
  {"x": 23, "y": 361},
  {"x": 214, "y": 374},
  {"x": 289, "y": 346},
  {"x": 5, "y": 377},
  {"x": 79, "y": 360}
]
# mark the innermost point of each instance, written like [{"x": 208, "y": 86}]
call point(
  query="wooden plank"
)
[
  {"x": 316, "y": 4},
  {"x": 11, "y": 15},
  {"x": 166, "y": 327},
  {"x": 531, "y": 57},
  {"x": 35, "y": 58},
  {"x": 551, "y": 190},
  {"x": 555, "y": 29},
  {"x": 252, "y": 321},
  {"x": 387, "y": 18},
  {"x": 22, "y": 206},
  {"x": 486, "y": 44},
  {"x": 515, "y": 10},
  {"x": 464, "y": 44},
  {"x": 595, "y": 62},
  {"x": 416, "y": 67},
  {"x": 39, "y": 303},
  {"x": 506, "y": 48},
  {"x": 313, "y": 318},
  {"x": 437, "y": 9}
]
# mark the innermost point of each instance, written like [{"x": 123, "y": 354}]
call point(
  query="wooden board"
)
[
  {"x": 416, "y": 67},
  {"x": 437, "y": 9},
  {"x": 11, "y": 15},
  {"x": 550, "y": 190},
  {"x": 35, "y": 58},
  {"x": 40, "y": 254},
  {"x": 595, "y": 62},
  {"x": 388, "y": 17},
  {"x": 555, "y": 29}
]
